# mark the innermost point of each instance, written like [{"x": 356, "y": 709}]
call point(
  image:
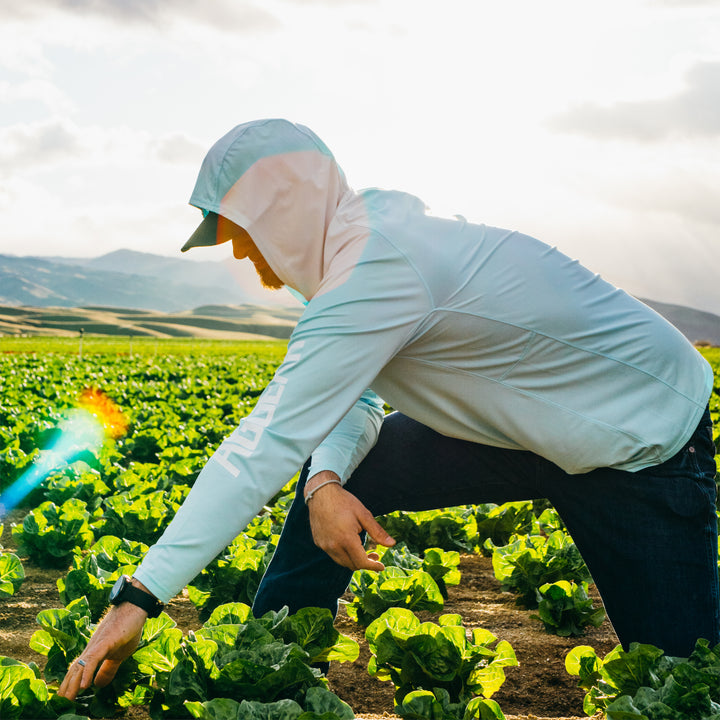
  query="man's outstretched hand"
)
[
  {"x": 337, "y": 518},
  {"x": 114, "y": 640}
]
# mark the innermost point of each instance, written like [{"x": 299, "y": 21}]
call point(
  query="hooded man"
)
[{"x": 514, "y": 372}]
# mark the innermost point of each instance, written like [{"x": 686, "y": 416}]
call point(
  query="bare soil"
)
[{"x": 538, "y": 689}]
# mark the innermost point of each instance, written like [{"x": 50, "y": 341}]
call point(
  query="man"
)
[{"x": 514, "y": 371}]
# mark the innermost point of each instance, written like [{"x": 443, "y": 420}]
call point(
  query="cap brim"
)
[{"x": 206, "y": 234}]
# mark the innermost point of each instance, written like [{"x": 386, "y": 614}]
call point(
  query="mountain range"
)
[
  {"x": 116, "y": 286},
  {"x": 133, "y": 280}
]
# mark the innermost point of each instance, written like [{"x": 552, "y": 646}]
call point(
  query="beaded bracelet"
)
[{"x": 322, "y": 484}]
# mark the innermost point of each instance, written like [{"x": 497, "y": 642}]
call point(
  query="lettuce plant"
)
[
  {"x": 531, "y": 561},
  {"x": 548, "y": 521},
  {"x": 424, "y": 704},
  {"x": 497, "y": 523},
  {"x": 565, "y": 608},
  {"x": 444, "y": 656},
  {"x": 314, "y": 631},
  {"x": 141, "y": 513},
  {"x": 12, "y": 574},
  {"x": 63, "y": 636},
  {"x": 14, "y": 461},
  {"x": 374, "y": 593},
  {"x": 449, "y": 529},
  {"x": 645, "y": 684},
  {"x": 50, "y": 533},
  {"x": 111, "y": 553},
  {"x": 441, "y": 565},
  {"x": 77, "y": 481},
  {"x": 24, "y": 695}
]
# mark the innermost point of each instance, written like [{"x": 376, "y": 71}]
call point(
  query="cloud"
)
[
  {"x": 179, "y": 149},
  {"x": 22, "y": 146},
  {"x": 52, "y": 142},
  {"x": 692, "y": 112},
  {"x": 36, "y": 91},
  {"x": 221, "y": 14}
]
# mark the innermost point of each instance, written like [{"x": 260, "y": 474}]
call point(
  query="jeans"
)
[{"x": 649, "y": 538}]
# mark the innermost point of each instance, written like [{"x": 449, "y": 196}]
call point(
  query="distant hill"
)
[
  {"x": 132, "y": 280},
  {"x": 222, "y": 322},
  {"x": 698, "y": 326}
]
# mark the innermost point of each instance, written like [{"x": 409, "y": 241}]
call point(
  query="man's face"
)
[{"x": 244, "y": 247}]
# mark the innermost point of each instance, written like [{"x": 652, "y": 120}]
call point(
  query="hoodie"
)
[{"x": 480, "y": 333}]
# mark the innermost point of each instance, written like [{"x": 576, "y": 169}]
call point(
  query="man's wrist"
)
[
  {"x": 319, "y": 480},
  {"x": 131, "y": 590}
]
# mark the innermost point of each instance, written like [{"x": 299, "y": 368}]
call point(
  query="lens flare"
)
[
  {"x": 82, "y": 430},
  {"x": 105, "y": 410}
]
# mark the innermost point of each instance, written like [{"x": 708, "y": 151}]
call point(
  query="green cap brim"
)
[{"x": 205, "y": 235}]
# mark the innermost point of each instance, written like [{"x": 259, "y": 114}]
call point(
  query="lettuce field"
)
[{"x": 483, "y": 611}]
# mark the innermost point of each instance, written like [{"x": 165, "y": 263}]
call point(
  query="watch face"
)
[{"x": 118, "y": 587}]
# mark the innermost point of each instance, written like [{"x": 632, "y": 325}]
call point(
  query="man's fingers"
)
[
  {"x": 376, "y": 531},
  {"x": 360, "y": 560},
  {"x": 107, "y": 672},
  {"x": 79, "y": 677},
  {"x": 343, "y": 553},
  {"x": 363, "y": 562},
  {"x": 351, "y": 554},
  {"x": 373, "y": 565},
  {"x": 66, "y": 689},
  {"x": 88, "y": 672}
]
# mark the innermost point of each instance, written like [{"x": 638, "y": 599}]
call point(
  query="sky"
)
[{"x": 594, "y": 126}]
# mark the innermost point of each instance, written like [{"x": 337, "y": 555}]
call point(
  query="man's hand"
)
[
  {"x": 114, "y": 640},
  {"x": 337, "y": 518}
]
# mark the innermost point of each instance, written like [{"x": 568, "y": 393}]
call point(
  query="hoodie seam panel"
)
[{"x": 408, "y": 262}]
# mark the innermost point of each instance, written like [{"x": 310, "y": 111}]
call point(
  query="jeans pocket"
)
[
  {"x": 691, "y": 496},
  {"x": 689, "y": 489},
  {"x": 701, "y": 453}
]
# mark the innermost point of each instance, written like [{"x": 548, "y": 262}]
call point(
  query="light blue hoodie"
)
[{"x": 480, "y": 333}]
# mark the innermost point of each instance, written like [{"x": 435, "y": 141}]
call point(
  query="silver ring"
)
[{"x": 81, "y": 662}]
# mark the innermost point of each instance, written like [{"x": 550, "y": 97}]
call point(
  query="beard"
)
[{"x": 268, "y": 279}]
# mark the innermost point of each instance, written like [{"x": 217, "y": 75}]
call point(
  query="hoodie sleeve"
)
[
  {"x": 351, "y": 439},
  {"x": 339, "y": 346}
]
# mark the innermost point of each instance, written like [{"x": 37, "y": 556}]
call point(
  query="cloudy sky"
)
[{"x": 594, "y": 126}]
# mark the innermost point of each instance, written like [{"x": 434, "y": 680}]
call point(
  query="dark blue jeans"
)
[{"x": 649, "y": 538}]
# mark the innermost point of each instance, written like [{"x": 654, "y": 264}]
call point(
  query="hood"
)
[{"x": 281, "y": 183}]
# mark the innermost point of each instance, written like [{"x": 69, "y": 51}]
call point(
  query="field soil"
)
[{"x": 539, "y": 688}]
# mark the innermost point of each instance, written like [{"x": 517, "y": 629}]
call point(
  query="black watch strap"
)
[{"x": 125, "y": 591}]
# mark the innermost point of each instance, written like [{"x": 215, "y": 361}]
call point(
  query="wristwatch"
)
[{"x": 124, "y": 591}]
